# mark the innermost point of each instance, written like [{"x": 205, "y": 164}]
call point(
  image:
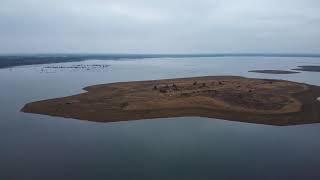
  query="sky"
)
[{"x": 159, "y": 26}]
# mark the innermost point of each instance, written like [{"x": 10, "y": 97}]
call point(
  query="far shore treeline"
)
[{"x": 29, "y": 59}]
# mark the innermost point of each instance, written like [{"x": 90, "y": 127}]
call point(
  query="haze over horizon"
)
[{"x": 150, "y": 26}]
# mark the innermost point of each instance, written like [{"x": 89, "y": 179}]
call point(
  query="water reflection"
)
[{"x": 36, "y": 147}]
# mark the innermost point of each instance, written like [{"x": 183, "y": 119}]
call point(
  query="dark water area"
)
[{"x": 43, "y": 147}]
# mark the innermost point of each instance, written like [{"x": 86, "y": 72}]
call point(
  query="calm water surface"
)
[{"x": 41, "y": 147}]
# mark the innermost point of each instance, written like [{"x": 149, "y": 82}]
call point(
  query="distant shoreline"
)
[{"x": 12, "y": 60}]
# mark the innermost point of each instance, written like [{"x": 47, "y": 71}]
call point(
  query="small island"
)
[
  {"x": 308, "y": 68},
  {"x": 261, "y": 101},
  {"x": 274, "y": 72}
]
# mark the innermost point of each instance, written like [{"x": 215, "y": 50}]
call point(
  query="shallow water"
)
[{"x": 37, "y": 147}]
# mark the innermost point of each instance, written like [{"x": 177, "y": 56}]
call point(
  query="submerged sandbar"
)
[{"x": 262, "y": 101}]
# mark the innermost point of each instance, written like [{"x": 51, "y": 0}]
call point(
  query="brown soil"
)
[{"x": 272, "y": 102}]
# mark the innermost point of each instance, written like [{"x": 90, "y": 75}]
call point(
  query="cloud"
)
[{"x": 153, "y": 26}]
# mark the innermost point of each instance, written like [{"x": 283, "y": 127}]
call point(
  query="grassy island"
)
[{"x": 262, "y": 101}]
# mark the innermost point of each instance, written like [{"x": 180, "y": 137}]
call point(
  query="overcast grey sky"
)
[{"x": 159, "y": 26}]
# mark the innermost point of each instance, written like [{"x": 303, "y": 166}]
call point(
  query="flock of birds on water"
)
[{"x": 74, "y": 68}]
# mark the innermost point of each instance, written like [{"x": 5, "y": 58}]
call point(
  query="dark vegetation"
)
[{"x": 17, "y": 60}]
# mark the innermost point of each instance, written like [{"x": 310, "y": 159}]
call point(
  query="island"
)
[
  {"x": 308, "y": 68},
  {"x": 274, "y": 72},
  {"x": 261, "y": 101}
]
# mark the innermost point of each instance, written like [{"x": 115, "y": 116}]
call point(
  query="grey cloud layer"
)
[{"x": 166, "y": 26}]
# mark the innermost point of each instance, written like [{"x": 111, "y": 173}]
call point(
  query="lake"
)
[{"x": 42, "y": 147}]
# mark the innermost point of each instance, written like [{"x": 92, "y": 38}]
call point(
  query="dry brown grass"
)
[{"x": 271, "y": 102}]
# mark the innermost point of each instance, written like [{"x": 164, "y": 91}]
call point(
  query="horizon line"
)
[{"x": 168, "y": 54}]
